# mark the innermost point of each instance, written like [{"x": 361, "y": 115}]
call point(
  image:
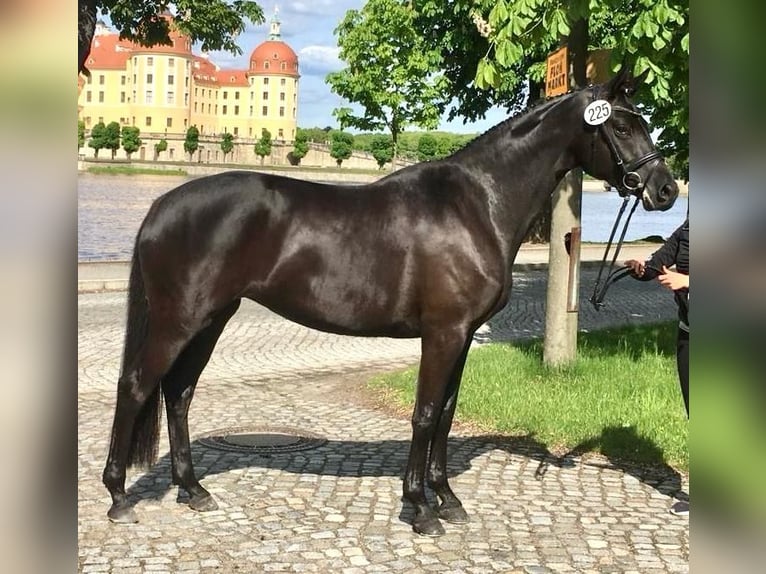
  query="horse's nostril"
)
[{"x": 665, "y": 193}]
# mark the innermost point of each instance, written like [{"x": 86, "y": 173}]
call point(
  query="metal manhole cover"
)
[{"x": 262, "y": 440}]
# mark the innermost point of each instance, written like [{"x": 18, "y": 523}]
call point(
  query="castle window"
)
[
  {"x": 150, "y": 62},
  {"x": 265, "y": 110}
]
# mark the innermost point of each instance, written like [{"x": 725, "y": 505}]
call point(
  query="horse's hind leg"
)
[
  {"x": 135, "y": 431},
  {"x": 441, "y": 351},
  {"x": 178, "y": 387},
  {"x": 451, "y": 509}
]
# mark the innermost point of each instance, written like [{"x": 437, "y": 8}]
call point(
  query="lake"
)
[{"x": 111, "y": 208}]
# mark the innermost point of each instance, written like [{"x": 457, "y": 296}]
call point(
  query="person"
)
[{"x": 675, "y": 251}]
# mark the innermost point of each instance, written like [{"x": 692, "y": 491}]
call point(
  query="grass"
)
[
  {"x": 130, "y": 170},
  {"x": 620, "y": 398}
]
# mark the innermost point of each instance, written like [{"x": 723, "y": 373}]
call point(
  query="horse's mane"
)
[{"x": 531, "y": 113}]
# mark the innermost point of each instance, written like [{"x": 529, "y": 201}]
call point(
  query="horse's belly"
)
[{"x": 345, "y": 307}]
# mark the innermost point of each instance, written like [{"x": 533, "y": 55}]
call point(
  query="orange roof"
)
[
  {"x": 108, "y": 52},
  {"x": 275, "y": 52},
  {"x": 204, "y": 71},
  {"x": 232, "y": 78}
]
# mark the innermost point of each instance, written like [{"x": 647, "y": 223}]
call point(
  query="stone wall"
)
[{"x": 243, "y": 154}]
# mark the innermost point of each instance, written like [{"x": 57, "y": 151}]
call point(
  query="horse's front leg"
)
[
  {"x": 441, "y": 349},
  {"x": 451, "y": 509}
]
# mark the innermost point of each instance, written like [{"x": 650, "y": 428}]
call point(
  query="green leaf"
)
[{"x": 685, "y": 43}]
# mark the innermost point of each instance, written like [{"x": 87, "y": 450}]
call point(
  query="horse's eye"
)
[{"x": 621, "y": 130}]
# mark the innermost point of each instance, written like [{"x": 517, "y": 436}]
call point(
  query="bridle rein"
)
[{"x": 631, "y": 184}]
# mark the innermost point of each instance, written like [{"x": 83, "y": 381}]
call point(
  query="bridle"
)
[
  {"x": 631, "y": 184},
  {"x": 631, "y": 181}
]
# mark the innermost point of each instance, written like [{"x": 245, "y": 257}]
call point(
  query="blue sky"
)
[{"x": 307, "y": 26}]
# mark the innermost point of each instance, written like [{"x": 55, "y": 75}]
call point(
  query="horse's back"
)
[{"x": 367, "y": 260}]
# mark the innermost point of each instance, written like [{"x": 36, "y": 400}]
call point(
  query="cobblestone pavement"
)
[{"x": 337, "y": 507}]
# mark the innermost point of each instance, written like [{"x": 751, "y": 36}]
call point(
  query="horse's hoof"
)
[
  {"x": 122, "y": 514},
  {"x": 453, "y": 514},
  {"x": 204, "y": 503},
  {"x": 428, "y": 526}
]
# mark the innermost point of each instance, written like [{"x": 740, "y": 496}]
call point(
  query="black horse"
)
[{"x": 425, "y": 252}]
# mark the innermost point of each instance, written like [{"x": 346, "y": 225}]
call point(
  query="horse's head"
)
[{"x": 618, "y": 148}]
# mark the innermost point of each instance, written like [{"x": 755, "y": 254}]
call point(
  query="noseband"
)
[
  {"x": 631, "y": 184},
  {"x": 631, "y": 181}
]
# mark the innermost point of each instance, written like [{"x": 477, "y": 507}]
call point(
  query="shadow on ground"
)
[{"x": 348, "y": 458}]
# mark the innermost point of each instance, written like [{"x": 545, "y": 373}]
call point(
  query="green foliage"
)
[
  {"x": 227, "y": 144},
  {"x": 130, "y": 140},
  {"x": 316, "y": 135},
  {"x": 80, "y": 134},
  {"x": 263, "y": 145},
  {"x": 390, "y": 70},
  {"x": 341, "y": 146},
  {"x": 97, "y": 139},
  {"x": 382, "y": 149},
  {"x": 620, "y": 397},
  {"x": 446, "y": 143},
  {"x": 504, "y": 43},
  {"x": 191, "y": 142},
  {"x": 214, "y": 23},
  {"x": 159, "y": 147},
  {"x": 301, "y": 145},
  {"x": 427, "y": 147},
  {"x": 112, "y": 137}
]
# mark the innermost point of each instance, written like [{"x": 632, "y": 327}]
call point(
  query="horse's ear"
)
[{"x": 625, "y": 83}]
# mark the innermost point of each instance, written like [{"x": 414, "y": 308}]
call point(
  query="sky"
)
[{"x": 307, "y": 27}]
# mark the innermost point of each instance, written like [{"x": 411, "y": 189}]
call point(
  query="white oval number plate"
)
[{"x": 597, "y": 112}]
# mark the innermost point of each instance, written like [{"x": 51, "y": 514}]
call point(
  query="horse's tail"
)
[{"x": 146, "y": 428}]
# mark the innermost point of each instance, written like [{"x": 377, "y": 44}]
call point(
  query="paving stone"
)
[{"x": 337, "y": 507}]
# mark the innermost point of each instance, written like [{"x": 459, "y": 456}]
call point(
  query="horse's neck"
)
[{"x": 520, "y": 169}]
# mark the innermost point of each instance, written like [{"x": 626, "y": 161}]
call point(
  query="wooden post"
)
[{"x": 560, "y": 343}]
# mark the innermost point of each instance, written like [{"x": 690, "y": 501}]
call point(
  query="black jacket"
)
[{"x": 675, "y": 251}]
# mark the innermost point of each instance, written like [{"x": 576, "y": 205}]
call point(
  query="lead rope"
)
[{"x": 599, "y": 291}]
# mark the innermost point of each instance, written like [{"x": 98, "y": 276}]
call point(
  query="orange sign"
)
[{"x": 557, "y": 73}]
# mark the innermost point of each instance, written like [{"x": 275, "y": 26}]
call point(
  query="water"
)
[{"x": 111, "y": 208}]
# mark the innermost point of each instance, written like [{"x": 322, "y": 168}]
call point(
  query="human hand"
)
[
  {"x": 637, "y": 267},
  {"x": 673, "y": 280}
]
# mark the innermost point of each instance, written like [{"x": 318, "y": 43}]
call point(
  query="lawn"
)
[{"x": 620, "y": 398}]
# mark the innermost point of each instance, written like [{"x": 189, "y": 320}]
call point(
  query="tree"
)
[
  {"x": 315, "y": 134},
  {"x": 427, "y": 148},
  {"x": 191, "y": 142},
  {"x": 300, "y": 146},
  {"x": 390, "y": 73},
  {"x": 263, "y": 145},
  {"x": 227, "y": 144},
  {"x": 159, "y": 147},
  {"x": 80, "y": 134},
  {"x": 503, "y": 44},
  {"x": 112, "y": 137},
  {"x": 130, "y": 140},
  {"x": 382, "y": 149},
  {"x": 214, "y": 23},
  {"x": 97, "y": 139},
  {"x": 341, "y": 146}
]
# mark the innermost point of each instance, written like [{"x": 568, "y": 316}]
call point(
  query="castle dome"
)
[{"x": 274, "y": 57}]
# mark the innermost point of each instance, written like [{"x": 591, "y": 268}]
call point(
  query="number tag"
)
[{"x": 597, "y": 112}]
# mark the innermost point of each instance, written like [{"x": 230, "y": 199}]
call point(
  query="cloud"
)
[{"x": 319, "y": 60}]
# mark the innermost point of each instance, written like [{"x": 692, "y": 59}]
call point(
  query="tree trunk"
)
[
  {"x": 560, "y": 342},
  {"x": 86, "y": 27}
]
